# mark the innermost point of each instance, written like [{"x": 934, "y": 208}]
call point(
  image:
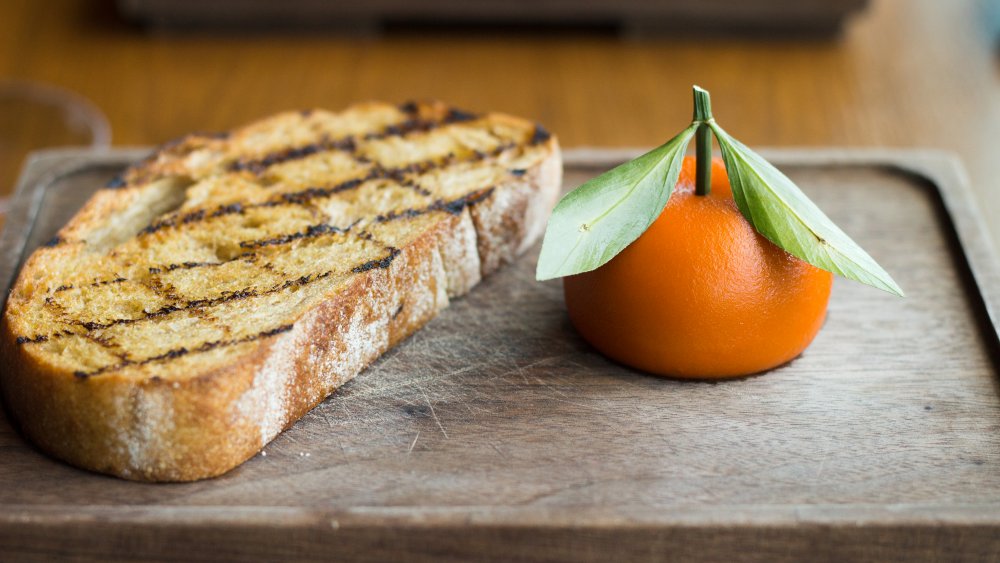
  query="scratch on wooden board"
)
[
  {"x": 461, "y": 370},
  {"x": 534, "y": 363},
  {"x": 348, "y": 413},
  {"x": 379, "y": 388},
  {"x": 413, "y": 443},
  {"x": 520, "y": 370},
  {"x": 560, "y": 399},
  {"x": 433, "y": 414}
]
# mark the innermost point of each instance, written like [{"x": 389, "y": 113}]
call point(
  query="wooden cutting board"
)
[{"x": 496, "y": 433}]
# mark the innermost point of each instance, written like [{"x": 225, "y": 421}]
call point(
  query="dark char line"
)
[
  {"x": 349, "y": 143},
  {"x": 179, "y": 352}
]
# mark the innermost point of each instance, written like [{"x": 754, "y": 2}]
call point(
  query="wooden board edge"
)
[
  {"x": 391, "y": 534},
  {"x": 540, "y": 516}
]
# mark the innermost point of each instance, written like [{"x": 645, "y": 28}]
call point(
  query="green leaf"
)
[
  {"x": 780, "y": 211},
  {"x": 594, "y": 222}
]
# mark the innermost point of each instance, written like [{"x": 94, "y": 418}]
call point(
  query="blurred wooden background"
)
[{"x": 904, "y": 73}]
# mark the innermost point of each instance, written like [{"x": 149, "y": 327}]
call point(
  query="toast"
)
[{"x": 211, "y": 295}]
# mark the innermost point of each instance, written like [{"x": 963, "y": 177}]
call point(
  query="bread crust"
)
[{"x": 181, "y": 430}]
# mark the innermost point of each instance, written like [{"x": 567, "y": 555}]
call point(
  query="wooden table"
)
[{"x": 905, "y": 73}]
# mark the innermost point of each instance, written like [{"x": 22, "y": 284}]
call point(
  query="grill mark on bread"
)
[
  {"x": 206, "y": 303},
  {"x": 99, "y": 283},
  {"x": 312, "y": 231},
  {"x": 95, "y": 283},
  {"x": 303, "y": 197},
  {"x": 175, "y": 353},
  {"x": 453, "y": 207},
  {"x": 456, "y": 115},
  {"x": 116, "y": 183},
  {"x": 226, "y": 297},
  {"x": 349, "y": 143},
  {"x": 417, "y": 188},
  {"x": 156, "y": 270},
  {"x": 412, "y": 108},
  {"x": 381, "y": 263},
  {"x": 32, "y": 339},
  {"x": 164, "y": 290},
  {"x": 398, "y": 174},
  {"x": 260, "y": 165},
  {"x": 228, "y": 209},
  {"x": 192, "y": 217},
  {"x": 401, "y": 175},
  {"x": 540, "y": 135}
]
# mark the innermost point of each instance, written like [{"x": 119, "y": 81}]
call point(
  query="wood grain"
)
[
  {"x": 497, "y": 433},
  {"x": 906, "y": 73}
]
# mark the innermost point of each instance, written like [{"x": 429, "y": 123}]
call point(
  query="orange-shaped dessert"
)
[{"x": 700, "y": 294}]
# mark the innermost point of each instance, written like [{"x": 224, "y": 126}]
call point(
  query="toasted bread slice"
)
[{"x": 210, "y": 296}]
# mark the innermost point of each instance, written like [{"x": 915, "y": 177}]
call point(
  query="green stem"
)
[
  {"x": 703, "y": 142},
  {"x": 703, "y": 160}
]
